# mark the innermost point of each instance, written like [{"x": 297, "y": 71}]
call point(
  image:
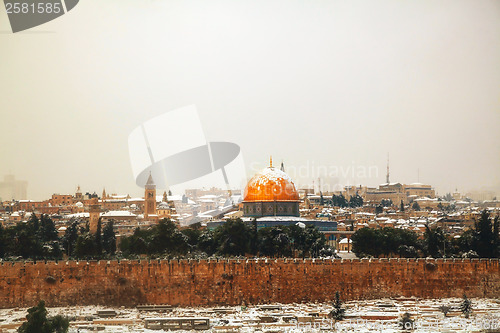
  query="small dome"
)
[
  {"x": 79, "y": 204},
  {"x": 271, "y": 184},
  {"x": 163, "y": 205}
]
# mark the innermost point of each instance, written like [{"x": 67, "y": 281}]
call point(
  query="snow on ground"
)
[{"x": 380, "y": 315}]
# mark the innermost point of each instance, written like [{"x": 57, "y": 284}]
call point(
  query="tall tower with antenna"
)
[{"x": 387, "y": 176}]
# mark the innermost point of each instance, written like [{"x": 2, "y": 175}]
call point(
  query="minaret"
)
[
  {"x": 387, "y": 176},
  {"x": 271, "y": 161},
  {"x": 282, "y": 167},
  {"x": 104, "y": 194},
  {"x": 94, "y": 214},
  {"x": 149, "y": 197},
  {"x": 165, "y": 197}
]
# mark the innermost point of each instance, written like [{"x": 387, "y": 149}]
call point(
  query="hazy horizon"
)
[{"x": 324, "y": 84}]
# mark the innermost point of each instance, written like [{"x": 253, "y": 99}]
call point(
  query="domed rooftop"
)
[{"x": 271, "y": 184}]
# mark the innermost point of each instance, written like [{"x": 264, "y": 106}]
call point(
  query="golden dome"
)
[{"x": 271, "y": 184}]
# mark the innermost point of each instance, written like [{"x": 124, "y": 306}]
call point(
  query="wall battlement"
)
[{"x": 233, "y": 282}]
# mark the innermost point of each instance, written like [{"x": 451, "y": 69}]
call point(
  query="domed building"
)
[{"x": 271, "y": 192}]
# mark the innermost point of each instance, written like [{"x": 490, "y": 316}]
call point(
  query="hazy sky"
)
[{"x": 324, "y": 83}]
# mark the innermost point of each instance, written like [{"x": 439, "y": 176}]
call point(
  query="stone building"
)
[{"x": 271, "y": 192}]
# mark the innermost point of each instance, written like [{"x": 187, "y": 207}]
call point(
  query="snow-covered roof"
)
[
  {"x": 175, "y": 197},
  {"x": 270, "y": 174},
  {"x": 208, "y": 196},
  {"x": 77, "y": 215},
  {"x": 426, "y": 199},
  {"x": 122, "y": 196},
  {"x": 163, "y": 205},
  {"x": 118, "y": 213},
  {"x": 278, "y": 218}
]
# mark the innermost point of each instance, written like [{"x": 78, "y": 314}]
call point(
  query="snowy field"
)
[{"x": 361, "y": 316}]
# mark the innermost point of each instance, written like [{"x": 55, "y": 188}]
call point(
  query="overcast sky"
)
[{"x": 324, "y": 83}]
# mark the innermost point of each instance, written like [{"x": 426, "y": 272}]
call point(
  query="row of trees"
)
[
  {"x": 233, "y": 238},
  {"x": 38, "y": 239},
  {"x": 79, "y": 242},
  {"x": 341, "y": 201},
  {"x": 481, "y": 241}
]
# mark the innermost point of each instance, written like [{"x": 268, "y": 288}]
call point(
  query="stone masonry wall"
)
[{"x": 232, "y": 282}]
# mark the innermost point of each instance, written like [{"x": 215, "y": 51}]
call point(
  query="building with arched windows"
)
[{"x": 271, "y": 192}]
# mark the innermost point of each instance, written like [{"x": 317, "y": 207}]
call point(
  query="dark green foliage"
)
[
  {"x": 70, "y": 237},
  {"x": 35, "y": 239},
  {"x": 338, "y": 312},
  {"x": 162, "y": 238},
  {"x": 434, "y": 242},
  {"x": 314, "y": 241},
  {"x": 137, "y": 243},
  {"x": 253, "y": 237},
  {"x": 109, "y": 238},
  {"x": 481, "y": 242},
  {"x": 466, "y": 306},
  {"x": 339, "y": 201},
  {"x": 274, "y": 242},
  {"x": 80, "y": 243},
  {"x": 98, "y": 237},
  {"x": 193, "y": 237},
  {"x": 37, "y": 321},
  {"x": 406, "y": 323},
  {"x": 402, "y": 206},
  {"x": 485, "y": 242},
  {"x": 3, "y": 241},
  {"x": 356, "y": 201},
  {"x": 415, "y": 206},
  {"x": 385, "y": 242},
  {"x": 85, "y": 247},
  {"x": 192, "y": 234},
  {"x": 445, "y": 309},
  {"x": 386, "y": 203},
  {"x": 232, "y": 238},
  {"x": 206, "y": 242},
  {"x": 47, "y": 230},
  {"x": 496, "y": 237}
]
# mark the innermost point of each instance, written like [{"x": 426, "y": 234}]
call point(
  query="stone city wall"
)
[{"x": 234, "y": 282}]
